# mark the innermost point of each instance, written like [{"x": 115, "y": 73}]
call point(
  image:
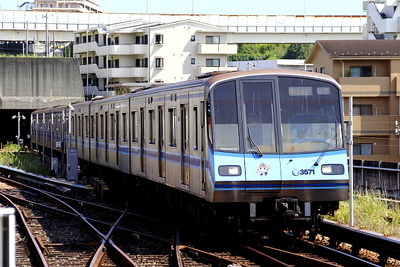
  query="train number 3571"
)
[{"x": 297, "y": 172}]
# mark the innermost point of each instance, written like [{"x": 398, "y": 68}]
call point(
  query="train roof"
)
[{"x": 208, "y": 80}]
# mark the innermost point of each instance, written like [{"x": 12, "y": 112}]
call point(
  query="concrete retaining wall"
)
[{"x": 34, "y": 83}]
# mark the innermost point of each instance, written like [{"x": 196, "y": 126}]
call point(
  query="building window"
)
[
  {"x": 193, "y": 38},
  {"x": 362, "y": 110},
  {"x": 159, "y": 39},
  {"x": 361, "y": 71},
  {"x": 323, "y": 70},
  {"x": 159, "y": 62},
  {"x": 362, "y": 149},
  {"x": 212, "y": 62},
  {"x": 116, "y": 40},
  {"x": 212, "y": 40},
  {"x": 192, "y": 61},
  {"x": 116, "y": 63},
  {"x": 144, "y": 39}
]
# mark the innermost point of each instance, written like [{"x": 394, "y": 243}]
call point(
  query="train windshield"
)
[
  {"x": 310, "y": 115},
  {"x": 246, "y": 115}
]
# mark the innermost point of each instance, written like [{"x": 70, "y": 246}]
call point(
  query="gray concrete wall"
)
[{"x": 34, "y": 83}]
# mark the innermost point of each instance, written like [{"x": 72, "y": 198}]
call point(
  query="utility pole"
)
[{"x": 351, "y": 168}]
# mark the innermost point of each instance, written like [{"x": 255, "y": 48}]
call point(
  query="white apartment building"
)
[
  {"x": 66, "y": 6},
  {"x": 125, "y": 56}
]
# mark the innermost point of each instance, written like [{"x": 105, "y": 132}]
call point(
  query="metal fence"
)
[{"x": 377, "y": 177}]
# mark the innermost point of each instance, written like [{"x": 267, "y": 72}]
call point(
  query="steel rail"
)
[
  {"x": 20, "y": 217},
  {"x": 385, "y": 247}
]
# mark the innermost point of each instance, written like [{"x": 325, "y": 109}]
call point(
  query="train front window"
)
[
  {"x": 258, "y": 111},
  {"x": 310, "y": 115},
  {"x": 226, "y": 132}
]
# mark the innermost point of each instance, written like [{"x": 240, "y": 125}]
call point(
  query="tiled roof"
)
[{"x": 360, "y": 48}]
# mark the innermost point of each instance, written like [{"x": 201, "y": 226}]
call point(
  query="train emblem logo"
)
[{"x": 263, "y": 169}]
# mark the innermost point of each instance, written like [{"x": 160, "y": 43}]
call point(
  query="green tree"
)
[
  {"x": 271, "y": 51},
  {"x": 259, "y": 52},
  {"x": 298, "y": 51}
]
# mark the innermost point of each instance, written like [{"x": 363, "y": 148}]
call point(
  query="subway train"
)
[{"x": 244, "y": 145}]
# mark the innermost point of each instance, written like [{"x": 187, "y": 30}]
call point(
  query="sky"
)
[{"x": 243, "y": 7}]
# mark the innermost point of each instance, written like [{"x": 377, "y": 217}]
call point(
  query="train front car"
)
[{"x": 277, "y": 144}]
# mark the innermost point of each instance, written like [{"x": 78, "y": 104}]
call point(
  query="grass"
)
[
  {"x": 12, "y": 156},
  {"x": 372, "y": 213}
]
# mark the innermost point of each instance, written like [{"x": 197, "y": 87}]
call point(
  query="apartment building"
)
[
  {"x": 66, "y": 6},
  {"x": 118, "y": 58},
  {"x": 369, "y": 72}
]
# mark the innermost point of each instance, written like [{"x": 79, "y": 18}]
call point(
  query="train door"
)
[
  {"x": 161, "y": 142},
  {"x": 196, "y": 143},
  {"x": 142, "y": 142},
  {"x": 184, "y": 143},
  {"x": 262, "y": 162},
  {"x": 202, "y": 125}
]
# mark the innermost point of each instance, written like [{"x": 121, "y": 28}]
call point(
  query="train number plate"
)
[{"x": 297, "y": 172}]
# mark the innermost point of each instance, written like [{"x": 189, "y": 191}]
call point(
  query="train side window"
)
[
  {"x": 92, "y": 126},
  {"x": 196, "y": 128},
  {"x": 86, "y": 126},
  {"x": 152, "y": 120},
  {"x": 79, "y": 126},
  {"x": 73, "y": 125},
  {"x": 112, "y": 124},
  {"x": 135, "y": 126},
  {"x": 76, "y": 125},
  {"x": 172, "y": 127},
  {"x": 161, "y": 126},
  {"x": 124, "y": 128},
  {"x": 97, "y": 126},
  {"x": 101, "y": 126}
]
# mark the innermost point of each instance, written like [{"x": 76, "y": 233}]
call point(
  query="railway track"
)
[{"x": 63, "y": 230}]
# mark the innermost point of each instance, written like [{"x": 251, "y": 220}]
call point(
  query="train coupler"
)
[{"x": 287, "y": 207}]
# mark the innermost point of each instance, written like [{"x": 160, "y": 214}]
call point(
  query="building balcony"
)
[
  {"x": 85, "y": 47},
  {"x": 121, "y": 72},
  {"x": 365, "y": 86},
  {"x": 203, "y": 70},
  {"x": 120, "y": 49},
  {"x": 376, "y": 125},
  {"x": 216, "y": 49}
]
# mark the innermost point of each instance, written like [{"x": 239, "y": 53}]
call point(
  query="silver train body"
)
[{"x": 240, "y": 137}]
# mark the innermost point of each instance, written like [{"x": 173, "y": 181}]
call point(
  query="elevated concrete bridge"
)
[{"x": 31, "y": 26}]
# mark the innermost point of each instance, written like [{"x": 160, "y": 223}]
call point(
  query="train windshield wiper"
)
[
  {"x": 316, "y": 163},
  {"x": 253, "y": 144}
]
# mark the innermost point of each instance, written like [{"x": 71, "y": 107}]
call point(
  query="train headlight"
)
[
  {"x": 332, "y": 169},
  {"x": 229, "y": 170}
]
